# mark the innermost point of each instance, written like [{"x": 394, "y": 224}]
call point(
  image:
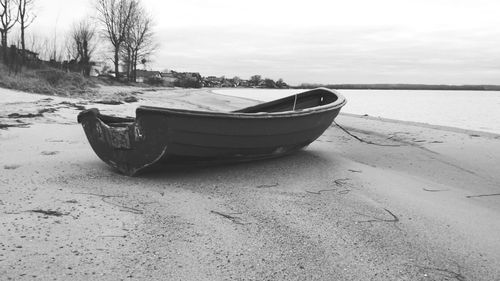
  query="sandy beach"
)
[{"x": 405, "y": 201}]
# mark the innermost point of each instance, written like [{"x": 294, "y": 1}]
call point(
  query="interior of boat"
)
[{"x": 297, "y": 102}]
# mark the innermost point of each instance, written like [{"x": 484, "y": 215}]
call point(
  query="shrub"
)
[
  {"x": 52, "y": 76},
  {"x": 48, "y": 80},
  {"x": 188, "y": 83},
  {"x": 154, "y": 81}
]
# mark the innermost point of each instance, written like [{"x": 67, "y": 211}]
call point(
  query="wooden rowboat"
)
[{"x": 158, "y": 135}]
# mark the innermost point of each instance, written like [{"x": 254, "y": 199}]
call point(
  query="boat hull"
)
[{"x": 171, "y": 135}]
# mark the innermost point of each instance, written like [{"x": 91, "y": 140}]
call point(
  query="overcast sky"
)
[{"x": 317, "y": 41}]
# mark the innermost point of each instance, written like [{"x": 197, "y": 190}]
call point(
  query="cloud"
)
[
  {"x": 335, "y": 55},
  {"x": 334, "y": 41}
]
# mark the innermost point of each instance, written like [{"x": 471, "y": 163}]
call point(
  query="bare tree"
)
[
  {"x": 25, "y": 18},
  {"x": 8, "y": 18},
  {"x": 45, "y": 46},
  {"x": 139, "y": 41},
  {"x": 82, "y": 45},
  {"x": 255, "y": 80},
  {"x": 236, "y": 81},
  {"x": 281, "y": 84},
  {"x": 126, "y": 53},
  {"x": 115, "y": 16},
  {"x": 34, "y": 43}
]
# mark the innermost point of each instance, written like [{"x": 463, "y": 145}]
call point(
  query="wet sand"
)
[{"x": 407, "y": 202}]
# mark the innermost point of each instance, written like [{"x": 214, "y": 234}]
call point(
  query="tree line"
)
[
  {"x": 256, "y": 80},
  {"x": 124, "y": 24}
]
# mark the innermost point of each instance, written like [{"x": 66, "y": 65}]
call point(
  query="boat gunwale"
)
[{"x": 337, "y": 104}]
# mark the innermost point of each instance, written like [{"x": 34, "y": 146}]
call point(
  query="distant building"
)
[
  {"x": 262, "y": 84},
  {"x": 17, "y": 56},
  {"x": 228, "y": 84},
  {"x": 244, "y": 83},
  {"x": 212, "y": 81},
  {"x": 168, "y": 77},
  {"x": 28, "y": 55}
]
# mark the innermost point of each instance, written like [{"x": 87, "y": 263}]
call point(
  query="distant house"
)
[
  {"x": 244, "y": 83},
  {"x": 262, "y": 84},
  {"x": 15, "y": 55},
  {"x": 143, "y": 75},
  {"x": 228, "y": 84},
  {"x": 168, "y": 77},
  {"x": 28, "y": 55},
  {"x": 212, "y": 81}
]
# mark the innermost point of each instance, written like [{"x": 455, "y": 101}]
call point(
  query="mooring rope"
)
[
  {"x": 360, "y": 139},
  {"x": 294, "y": 102}
]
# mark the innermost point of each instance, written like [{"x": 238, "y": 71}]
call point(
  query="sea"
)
[{"x": 470, "y": 110}]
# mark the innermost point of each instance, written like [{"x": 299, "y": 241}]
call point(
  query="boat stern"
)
[{"x": 122, "y": 143}]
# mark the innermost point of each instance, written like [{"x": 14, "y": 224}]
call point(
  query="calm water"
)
[{"x": 474, "y": 110}]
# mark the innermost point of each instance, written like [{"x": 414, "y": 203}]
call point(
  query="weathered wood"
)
[{"x": 267, "y": 130}]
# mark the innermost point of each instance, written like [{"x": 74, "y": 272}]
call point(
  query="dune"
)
[{"x": 371, "y": 199}]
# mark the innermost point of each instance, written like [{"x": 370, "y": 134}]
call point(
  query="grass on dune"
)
[{"x": 47, "y": 80}]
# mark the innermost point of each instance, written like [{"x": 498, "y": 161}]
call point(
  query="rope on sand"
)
[{"x": 360, "y": 139}]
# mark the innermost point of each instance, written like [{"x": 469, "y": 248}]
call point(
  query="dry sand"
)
[{"x": 411, "y": 202}]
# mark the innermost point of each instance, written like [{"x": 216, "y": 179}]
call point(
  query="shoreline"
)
[
  {"x": 427, "y": 125},
  {"x": 109, "y": 93}
]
